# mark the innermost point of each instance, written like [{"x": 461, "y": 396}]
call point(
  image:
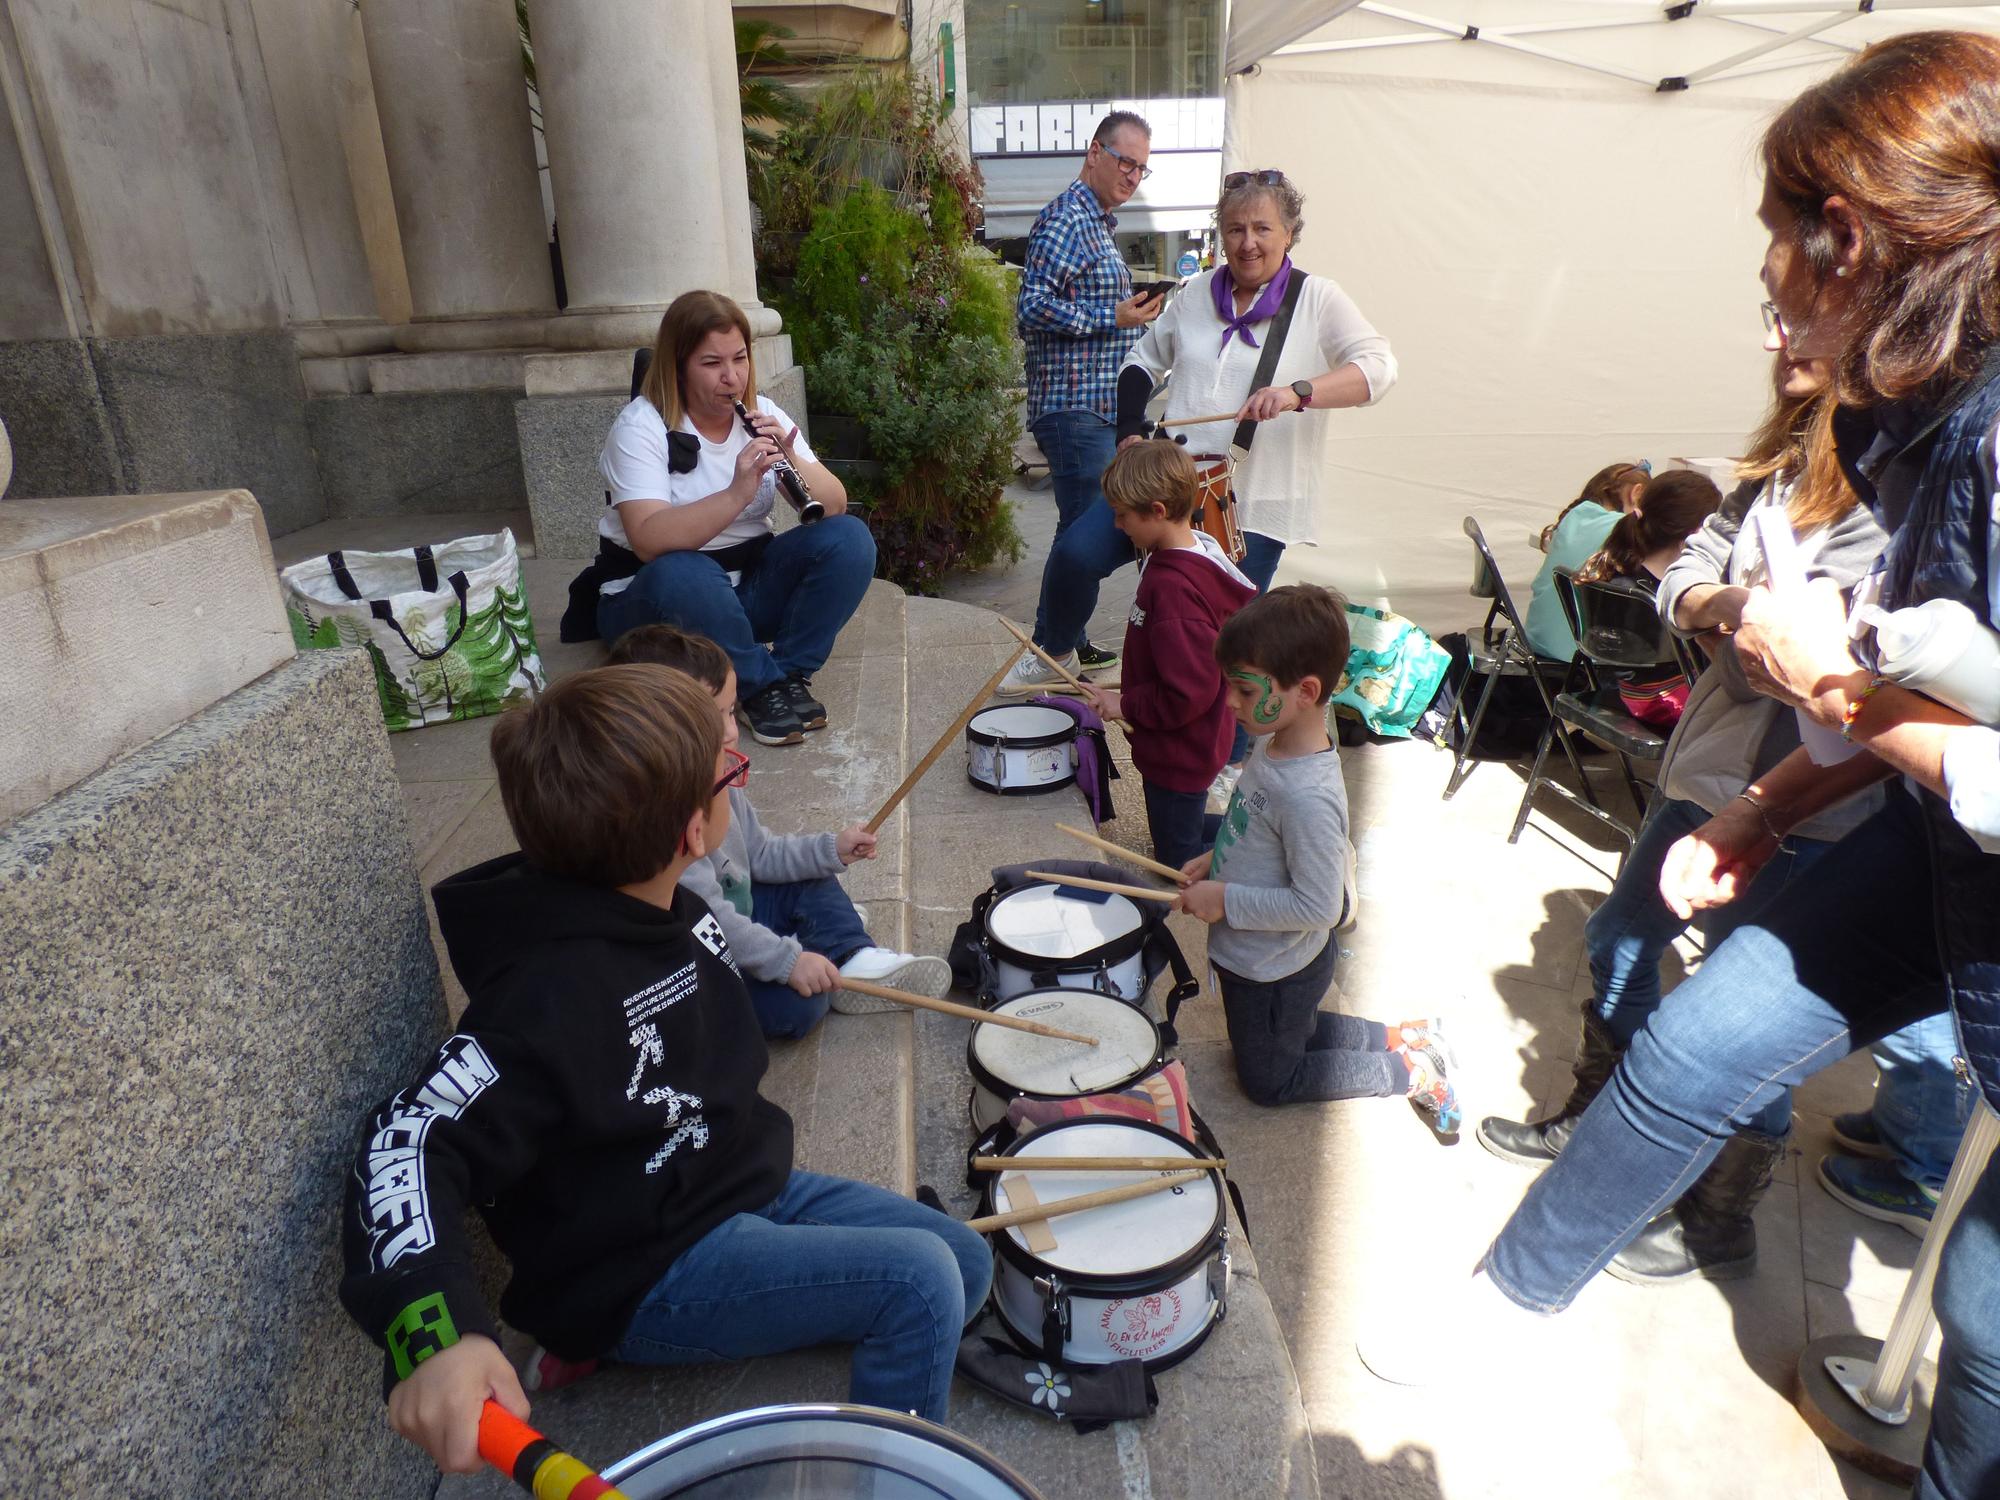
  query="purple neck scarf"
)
[{"x": 1269, "y": 300}]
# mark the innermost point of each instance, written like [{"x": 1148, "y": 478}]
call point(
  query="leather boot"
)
[
  {"x": 1539, "y": 1142},
  {"x": 1709, "y": 1233}
]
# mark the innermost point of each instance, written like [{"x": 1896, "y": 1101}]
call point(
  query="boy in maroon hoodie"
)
[{"x": 1173, "y": 694}]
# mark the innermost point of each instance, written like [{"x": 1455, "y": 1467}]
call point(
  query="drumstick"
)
[
  {"x": 967, "y": 1012},
  {"x": 1140, "y": 892},
  {"x": 533, "y": 1462},
  {"x": 1075, "y": 682},
  {"x": 1082, "y": 1201},
  {"x": 1096, "y": 1163},
  {"x": 930, "y": 759},
  {"x": 1121, "y": 851},
  {"x": 1221, "y": 416}
]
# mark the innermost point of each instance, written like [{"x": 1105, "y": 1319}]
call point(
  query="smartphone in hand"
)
[{"x": 1151, "y": 289}]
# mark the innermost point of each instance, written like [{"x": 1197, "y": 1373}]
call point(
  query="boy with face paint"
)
[{"x": 1274, "y": 886}]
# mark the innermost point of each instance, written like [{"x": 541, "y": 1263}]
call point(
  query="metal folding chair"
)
[{"x": 1499, "y": 652}]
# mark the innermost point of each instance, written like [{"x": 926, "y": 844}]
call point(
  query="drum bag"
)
[
  {"x": 1094, "y": 770},
  {"x": 972, "y": 969},
  {"x": 1086, "y": 1396}
]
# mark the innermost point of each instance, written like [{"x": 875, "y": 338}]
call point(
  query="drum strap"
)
[
  {"x": 1087, "y": 1396},
  {"x": 1267, "y": 361}
]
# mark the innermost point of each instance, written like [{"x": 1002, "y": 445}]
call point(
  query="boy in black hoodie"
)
[{"x": 599, "y": 1105}]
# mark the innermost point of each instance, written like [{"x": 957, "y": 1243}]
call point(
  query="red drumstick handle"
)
[{"x": 534, "y": 1463}]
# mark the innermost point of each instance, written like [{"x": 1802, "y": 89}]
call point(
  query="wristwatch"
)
[{"x": 1303, "y": 389}]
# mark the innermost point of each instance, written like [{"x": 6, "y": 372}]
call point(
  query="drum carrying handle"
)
[
  {"x": 999, "y": 761},
  {"x": 1218, "y": 1278},
  {"x": 1055, "y": 1317}
]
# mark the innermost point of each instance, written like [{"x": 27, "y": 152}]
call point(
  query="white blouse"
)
[{"x": 1280, "y": 483}]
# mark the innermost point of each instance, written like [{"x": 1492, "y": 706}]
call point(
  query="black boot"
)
[
  {"x": 1539, "y": 1142},
  {"x": 1709, "y": 1233}
]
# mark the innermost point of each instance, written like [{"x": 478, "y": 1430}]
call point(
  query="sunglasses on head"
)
[{"x": 1267, "y": 177}]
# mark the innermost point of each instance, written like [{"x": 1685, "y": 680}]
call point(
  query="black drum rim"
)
[
  {"x": 1026, "y": 741},
  {"x": 1103, "y": 956},
  {"x": 1020, "y": 791},
  {"x": 1007, "y": 1093},
  {"x": 1157, "y": 1365}
]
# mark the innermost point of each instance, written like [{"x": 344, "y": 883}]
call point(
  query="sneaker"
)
[
  {"x": 1031, "y": 676},
  {"x": 1857, "y": 1136},
  {"x": 1095, "y": 658},
  {"x": 798, "y": 693},
  {"x": 544, "y": 1371},
  {"x": 930, "y": 977},
  {"x": 1223, "y": 787},
  {"x": 1430, "y": 1084},
  {"x": 770, "y": 718},
  {"x": 1879, "y": 1190}
]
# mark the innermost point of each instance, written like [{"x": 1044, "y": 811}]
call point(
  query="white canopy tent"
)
[{"x": 1548, "y": 206}]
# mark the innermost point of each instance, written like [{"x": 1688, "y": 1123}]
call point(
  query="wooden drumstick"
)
[
  {"x": 1097, "y": 1163},
  {"x": 1138, "y": 892},
  {"x": 1082, "y": 1201},
  {"x": 1121, "y": 851},
  {"x": 1075, "y": 682},
  {"x": 978, "y": 702},
  {"x": 964, "y": 1012},
  {"x": 1220, "y": 416}
]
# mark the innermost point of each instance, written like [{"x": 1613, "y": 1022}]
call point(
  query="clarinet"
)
[{"x": 809, "y": 509}]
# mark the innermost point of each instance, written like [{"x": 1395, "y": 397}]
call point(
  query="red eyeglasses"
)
[{"x": 738, "y": 773}]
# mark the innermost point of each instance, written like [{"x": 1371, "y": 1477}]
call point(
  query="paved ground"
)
[{"x": 1680, "y": 1393}]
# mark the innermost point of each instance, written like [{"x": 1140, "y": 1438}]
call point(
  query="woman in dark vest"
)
[{"x": 1882, "y": 198}]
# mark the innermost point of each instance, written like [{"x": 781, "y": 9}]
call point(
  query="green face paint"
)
[{"x": 1270, "y": 702}]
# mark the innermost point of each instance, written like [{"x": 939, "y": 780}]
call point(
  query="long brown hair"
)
[
  {"x": 690, "y": 318},
  {"x": 1670, "y": 510},
  {"x": 1909, "y": 134},
  {"x": 1795, "y": 442},
  {"x": 1606, "y": 487}
]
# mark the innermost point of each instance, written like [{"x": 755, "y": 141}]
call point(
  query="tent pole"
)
[
  {"x": 1780, "y": 7},
  {"x": 1772, "y": 27},
  {"x": 1765, "y": 48},
  {"x": 1473, "y": 33}
]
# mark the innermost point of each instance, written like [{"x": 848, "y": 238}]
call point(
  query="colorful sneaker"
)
[
  {"x": 1031, "y": 676},
  {"x": 1879, "y": 1190},
  {"x": 1430, "y": 1085},
  {"x": 544, "y": 1371},
  {"x": 1424, "y": 1034},
  {"x": 1095, "y": 658},
  {"x": 929, "y": 977},
  {"x": 798, "y": 693},
  {"x": 1857, "y": 1136}
]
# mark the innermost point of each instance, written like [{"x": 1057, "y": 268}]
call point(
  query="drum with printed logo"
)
[
  {"x": 1021, "y": 749},
  {"x": 1008, "y": 1065},
  {"x": 1144, "y": 1279},
  {"x": 830, "y": 1452},
  {"x": 1040, "y": 936}
]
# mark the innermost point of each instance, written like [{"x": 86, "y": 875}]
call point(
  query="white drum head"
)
[
  {"x": 1044, "y": 1065},
  {"x": 1041, "y": 924},
  {"x": 1120, "y": 1238},
  {"x": 1022, "y": 721}
]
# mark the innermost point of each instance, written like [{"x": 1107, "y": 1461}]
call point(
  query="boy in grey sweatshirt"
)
[
  {"x": 1274, "y": 886},
  {"x": 791, "y": 927}
]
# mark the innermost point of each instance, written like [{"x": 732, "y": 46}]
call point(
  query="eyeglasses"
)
[
  {"x": 738, "y": 773},
  {"x": 1126, "y": 166},
  {"x": 1773, "y": 323},
  {"x": 1268, "y": 177}
]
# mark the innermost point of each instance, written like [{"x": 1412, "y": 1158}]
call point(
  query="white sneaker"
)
[
  {"x": 1223, "y": 788},
  {"x": 1031, "y": 675},
  {"x": 929, "y": 977}
]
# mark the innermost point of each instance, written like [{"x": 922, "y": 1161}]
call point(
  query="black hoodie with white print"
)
[{"x": 598, "y": 1105}]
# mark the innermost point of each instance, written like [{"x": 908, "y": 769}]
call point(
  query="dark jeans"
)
[
  {"x": 803, "y": 590},
  {"x": 1078, "y": 446},
  {"x": 1261, "y": 555},
  {"x": 819, "y": 915},
  {"x": 1288, "y": 1049},
  {"x": 1180, "y": 823}
]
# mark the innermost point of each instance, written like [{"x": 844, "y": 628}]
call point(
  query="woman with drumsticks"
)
[{"x": 1262, "y": 342}]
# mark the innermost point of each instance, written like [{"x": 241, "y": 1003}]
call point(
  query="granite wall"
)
[
  {"x": 213, "y": 958},
  {"x": 417, "y": 454}
]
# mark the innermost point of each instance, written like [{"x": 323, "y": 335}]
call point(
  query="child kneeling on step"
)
[
  {"x": 1275, "y": 884},
  {"x": 793, "y": 930},
  {"x": 599, "y": 1105}
]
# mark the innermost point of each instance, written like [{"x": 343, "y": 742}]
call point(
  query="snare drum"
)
[
  {"x": 1021, "y": 749},
  {"x": 1215, "y": 503},
  {"x": 1144, "y": 1279},
  {"x": 1009, "y": 1065},
  {"x": 1038, "y": 939},
  {"x": 832, "y": 1452}
]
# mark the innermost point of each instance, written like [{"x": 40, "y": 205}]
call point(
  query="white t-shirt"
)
[{"x": 634, "y": 466}]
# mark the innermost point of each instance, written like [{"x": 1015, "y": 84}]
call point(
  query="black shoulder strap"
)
[{"x": 1267, "y": 361}]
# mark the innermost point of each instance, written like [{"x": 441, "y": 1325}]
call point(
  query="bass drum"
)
[{"x": 827, "y": 1452}]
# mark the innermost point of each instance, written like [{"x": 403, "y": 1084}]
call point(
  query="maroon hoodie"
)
[{"x": 1173, "y": 692}]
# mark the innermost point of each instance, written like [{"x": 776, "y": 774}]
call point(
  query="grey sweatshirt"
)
[
  {"x": 1729, "y": 734},
  {"x": 748, "y": 854},
  {"x": 1280, "y": 855}
]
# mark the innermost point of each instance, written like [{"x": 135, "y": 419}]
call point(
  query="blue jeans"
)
[
  {"x": 804, "y": 588},
  {"x": 1078, "y": 445},
  {"x": 828, "y": 1261},
  {"x": 1962, "y": 1453},
  {"x": 1630, "y": 932},
  {"x": 1179, "y": 822},
  {"x": 1921, "y": 1104},
  {"x": 819, "y": 915}
]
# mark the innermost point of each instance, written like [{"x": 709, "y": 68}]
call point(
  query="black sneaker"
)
[
  {"x": 798, "y": 693},
  {"x": 1095, "y": 658},
  {"x": 770, "y": 717}
]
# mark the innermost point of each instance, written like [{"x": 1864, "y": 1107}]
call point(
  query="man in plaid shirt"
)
[{"x": 1078, "y": 320}]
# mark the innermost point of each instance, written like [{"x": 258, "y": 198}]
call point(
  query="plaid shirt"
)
[{"x": 1069, "y": 290}]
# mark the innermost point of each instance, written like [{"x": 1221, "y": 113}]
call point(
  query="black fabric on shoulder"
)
[{"x": 683, "y": 452}]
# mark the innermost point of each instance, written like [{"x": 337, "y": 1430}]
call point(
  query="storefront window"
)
[{"x": 1020, "y": 51}]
